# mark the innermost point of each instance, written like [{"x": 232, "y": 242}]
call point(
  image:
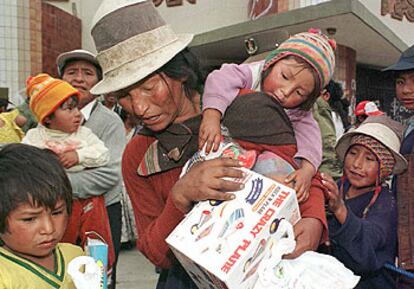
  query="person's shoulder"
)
[
  {"x": 69, "y": 250},
  {"x": 103, "y": 110},
  {"x": 137, "y": 147}
]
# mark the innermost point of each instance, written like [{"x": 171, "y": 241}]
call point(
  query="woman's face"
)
[
  {"x": 157, "y": 101},
  {"x": 361, "y": 166}
]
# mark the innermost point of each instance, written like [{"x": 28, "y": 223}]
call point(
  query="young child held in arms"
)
[
  {"x": 363, "y": 228},
  {"x": 36, "y": 200},
  {"x": 294, "y": 75},
  {"x": 54, "y": 103}
]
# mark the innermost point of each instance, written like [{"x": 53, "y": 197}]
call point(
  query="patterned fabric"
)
[
  {"x": 313, "y": 47},
  {"x": 383, "y": 154},
  {"x": 10, "y": 132},
  {"x": 47, "y": 93}
]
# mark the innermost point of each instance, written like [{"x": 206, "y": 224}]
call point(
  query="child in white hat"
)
[{"x": 363, "y": 225}]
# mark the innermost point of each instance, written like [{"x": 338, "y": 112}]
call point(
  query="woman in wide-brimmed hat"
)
[{"x": 158, "y": 79}]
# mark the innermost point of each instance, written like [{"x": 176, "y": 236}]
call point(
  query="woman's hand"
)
[
  {"x": 204, "y": 181},
  {"x": 210, "y": 132},
  {"x": 308, "y": 233},
  {"x": 335, "y": 199},
  {"x": 302, "y": 180}
]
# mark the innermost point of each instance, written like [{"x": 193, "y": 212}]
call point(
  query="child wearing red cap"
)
[
  {"x": 294, "y": 75},
  {"x": 364, "y": 109},
  {"x": 54, "y": 102}
]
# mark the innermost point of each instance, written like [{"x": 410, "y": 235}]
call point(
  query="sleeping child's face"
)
[
  {"x": 361, "y": 166},
  {"x": 289, "y": 82},
  {"x": 33, "y": 231}
]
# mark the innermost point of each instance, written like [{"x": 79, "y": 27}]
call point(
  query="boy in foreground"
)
[{"x": 36, "y": 202}]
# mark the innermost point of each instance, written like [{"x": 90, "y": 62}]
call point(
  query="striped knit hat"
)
[
  {"x": 47, "y": 94},
  {"x": 313, "y": 47}
]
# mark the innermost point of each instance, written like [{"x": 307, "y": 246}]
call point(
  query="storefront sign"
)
[
  {"x": 171, "y": 3},
  {"x": 398, "y": 9}
]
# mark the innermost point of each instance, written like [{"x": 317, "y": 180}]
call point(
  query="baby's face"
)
[
  {"x": 404, "y": 88},
  {"x": 33, "y": 232},
  {"x": 67, "y": 117},
  {"x": 289, "y": 83}
]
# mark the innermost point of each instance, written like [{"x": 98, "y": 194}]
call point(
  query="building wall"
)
[
  {"x": 15, "y": 44},
  {"x": 61, "y": 32},
  {"x": 404, "y": 29},
  {"x": 205, "y": 15}
]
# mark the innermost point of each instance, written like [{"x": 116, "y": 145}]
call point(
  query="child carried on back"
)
[{"x": 294, "y": 74}]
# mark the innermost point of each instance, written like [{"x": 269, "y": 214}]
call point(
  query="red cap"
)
[{"x": 367, "y": 108}]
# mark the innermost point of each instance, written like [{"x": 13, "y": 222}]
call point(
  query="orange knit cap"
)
[{"x": 47, "y": 94}]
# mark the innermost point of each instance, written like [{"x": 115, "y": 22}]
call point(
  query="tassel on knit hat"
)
[
  {"x": 313, "y": 47},
  {"x": 47, "y": 94}
]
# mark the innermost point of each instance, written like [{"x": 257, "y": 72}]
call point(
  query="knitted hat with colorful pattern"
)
[
  {"x": 385, "y": 158},
  {"x": 47, "y": 94},
  {"x": 313, "y": 47}
]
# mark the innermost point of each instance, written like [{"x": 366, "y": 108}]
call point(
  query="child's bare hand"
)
[
  {"x": 210, "y": 132},
  {"x": 301, "y": 180},
  {"x": 69, "y": 159},
  {"x": 335, "y": 199}
]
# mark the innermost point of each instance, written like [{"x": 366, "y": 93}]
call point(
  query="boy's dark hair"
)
[
  {"x": 310, "y": 101},
  {"x": 31, "y": 175},
  {"x": 398, "y": 73}
]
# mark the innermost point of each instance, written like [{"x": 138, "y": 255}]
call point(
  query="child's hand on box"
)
[
  {"x": 302, "y": 180},
  {"x": 210, "y": 132}
]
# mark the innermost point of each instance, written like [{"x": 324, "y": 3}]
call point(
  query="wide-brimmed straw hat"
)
[
  {"x": 383, "y": 129},
  {"x": 132, "y": 41}
]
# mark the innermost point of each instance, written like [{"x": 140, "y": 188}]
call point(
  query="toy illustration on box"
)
[{"x": 227, "y": 241}]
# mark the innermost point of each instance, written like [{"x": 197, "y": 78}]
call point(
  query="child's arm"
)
[
  {"x": 335, "y": 200},
  {"x": 309, "y": 143},
  {"x": 221, "y": 88},
  {"x": 363, "y": 245},
  {"x": 94, "y": 153}
]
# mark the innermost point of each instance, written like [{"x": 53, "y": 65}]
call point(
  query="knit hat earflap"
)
[
  {"x": 314, "y": 47},
  {"x": 47, "y": 94}
]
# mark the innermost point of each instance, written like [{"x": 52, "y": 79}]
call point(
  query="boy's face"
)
[
  {"x": 404, "y": 88},
  {"x": 33, "y": 232},
  {"x": 361, "y": 166},
  {"x": 67, "y": 117},
  {"x": 289, "y": 83}
]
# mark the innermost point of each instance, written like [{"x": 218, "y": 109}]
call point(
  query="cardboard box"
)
[{"x": 221, "y": 244}]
